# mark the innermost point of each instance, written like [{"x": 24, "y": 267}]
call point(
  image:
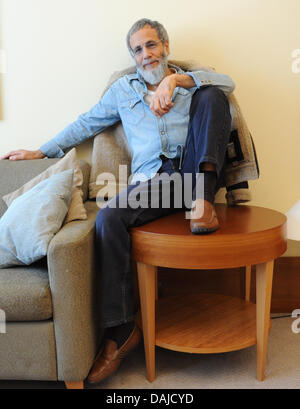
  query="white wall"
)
[{"x": 60, "y": 54}]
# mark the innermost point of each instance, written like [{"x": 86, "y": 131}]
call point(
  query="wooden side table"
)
[{"x": 208, "y": 323}]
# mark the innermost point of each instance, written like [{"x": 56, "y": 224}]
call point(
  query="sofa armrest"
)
[{"x": 73, "y": 278}]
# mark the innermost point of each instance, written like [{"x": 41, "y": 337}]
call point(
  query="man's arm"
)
[
  {"x": 101, "y": 116},
  {"x": 202, "y": 78},
  {"x": 161, "y": 101}
]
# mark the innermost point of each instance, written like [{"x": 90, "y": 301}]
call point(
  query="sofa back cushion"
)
[{"x": 110, "y": 149}]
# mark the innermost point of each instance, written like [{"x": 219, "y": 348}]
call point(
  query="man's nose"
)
[{"x": 146, "y": 53}]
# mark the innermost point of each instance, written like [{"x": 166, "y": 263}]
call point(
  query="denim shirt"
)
[{"x": 148, "y": 136}]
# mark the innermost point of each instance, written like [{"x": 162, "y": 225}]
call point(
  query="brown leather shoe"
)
[
  {"x": 203, "y": 217},
  {"x": 108, "y": 361}
]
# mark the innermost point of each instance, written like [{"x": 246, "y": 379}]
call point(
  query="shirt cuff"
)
[
  {"x": 52, "y": 150},
  {"x": 199, "y": 83}
]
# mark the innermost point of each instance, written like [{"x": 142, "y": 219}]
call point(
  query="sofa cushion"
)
[
  {"x": 76, "y": 209},
  {"x": 33, "y": 218},
  {"x": 24, "y": 292},
  {"x": 14, "y": 174}
]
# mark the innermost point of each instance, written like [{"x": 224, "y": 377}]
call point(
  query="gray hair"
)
[{"x": 161, "y": 31}]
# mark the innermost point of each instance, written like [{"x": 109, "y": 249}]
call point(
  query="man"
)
[{"x": 175, "y": 122}]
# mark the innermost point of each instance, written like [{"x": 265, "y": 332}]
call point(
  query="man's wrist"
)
[
  {"x": 176, "y": 79},
  {"x": 39, "y": 154},
  {"x": 184, "y": 80}
]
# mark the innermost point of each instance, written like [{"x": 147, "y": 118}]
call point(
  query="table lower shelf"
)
[{"x": 204, "y": 323}]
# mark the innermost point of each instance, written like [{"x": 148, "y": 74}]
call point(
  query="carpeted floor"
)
[{"x": 176, "y": 370}]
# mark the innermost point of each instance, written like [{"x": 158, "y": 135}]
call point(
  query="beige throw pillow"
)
[{"x": 76, "y": 210}]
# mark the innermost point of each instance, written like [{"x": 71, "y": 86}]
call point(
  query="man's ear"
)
[{"x": 167, "y": 47}]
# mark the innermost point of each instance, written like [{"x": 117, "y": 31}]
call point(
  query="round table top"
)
[{"x": 247, "y": 235}]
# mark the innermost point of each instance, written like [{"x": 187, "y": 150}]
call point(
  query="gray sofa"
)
[{"x": 51, "y": 306}]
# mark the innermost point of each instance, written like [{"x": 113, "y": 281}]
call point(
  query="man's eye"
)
[
  {"x": 137, "y": 51},
  {"x": 151, "y": 45}
]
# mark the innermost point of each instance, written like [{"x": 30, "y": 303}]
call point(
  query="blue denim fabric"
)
[
  {"x": 208, "y": 135},
  {"x": 148, "y": 136}
]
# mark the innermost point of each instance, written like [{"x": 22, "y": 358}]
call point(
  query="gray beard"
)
[{"x": 155, "y": 76}]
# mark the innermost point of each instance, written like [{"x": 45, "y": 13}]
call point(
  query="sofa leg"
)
[{"x": 74, "y": 385}]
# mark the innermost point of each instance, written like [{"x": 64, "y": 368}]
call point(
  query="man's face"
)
[{"x": 150, "y": 54}]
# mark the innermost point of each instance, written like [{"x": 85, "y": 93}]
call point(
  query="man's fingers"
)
[
  {"x": 8, "y": 155},
  {"x": 15, "y": 152},
  {"x": 163, "y": 104},
  {"x": 23, "y": 154},
  {"x": 160, "y": 105},
  {"x": 168, "y": 102},
  {"x": 154, "y": 107},
  {"x": 160, "y": 112},
  {"x": 13, "y": 155},
  {"x": 160, "y": 108}
]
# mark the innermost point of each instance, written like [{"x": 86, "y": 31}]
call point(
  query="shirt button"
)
[{"x": 162, "y": 133}]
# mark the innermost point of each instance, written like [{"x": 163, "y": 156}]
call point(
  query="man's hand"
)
[
  {"x": 161, "y": 101},
  {"x": 22, "y": 154}
]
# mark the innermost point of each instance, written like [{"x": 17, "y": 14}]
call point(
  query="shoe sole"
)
[{"x": 203, "y": 230}]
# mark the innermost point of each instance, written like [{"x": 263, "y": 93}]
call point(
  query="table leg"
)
[
  {"x": 156, "y": 286},
  {"x": 247, "y": 283},
  {"x": 147, "y": 287},
  {"x": 264, "y": 278}
]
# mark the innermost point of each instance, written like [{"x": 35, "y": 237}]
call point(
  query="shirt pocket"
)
[
  {"x": 132, "y": 111},
  {"x": 182, "y": 103}
]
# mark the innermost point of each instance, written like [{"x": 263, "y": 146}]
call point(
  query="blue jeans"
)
[{"x": 208, "y": 135}]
